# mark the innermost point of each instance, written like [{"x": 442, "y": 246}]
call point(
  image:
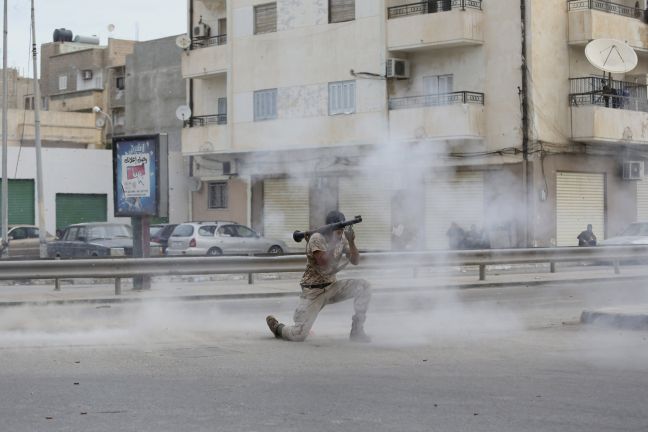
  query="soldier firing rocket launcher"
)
[{"x": 298, "y": 236}]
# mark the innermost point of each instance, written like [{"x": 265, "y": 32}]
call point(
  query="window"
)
[
  {"x": 183, "y": 231},
  {"x": 243, "y": 231},
  {"x": 265, "y": 104},
  {"x": 438, "y": 84},
  {"x": 28, "y": 102},
  {"x": 207, "y": 231},
  {"x": 265, "y": 18},
  {"x": 120, "y": 83},
  {"x": 118, "y": 118},
  {"x": 342, "y": 97},
  {"x": 217, "y": 195},
  {"x": 341, "y": 10},
  {"x": 62, "y": 82}
]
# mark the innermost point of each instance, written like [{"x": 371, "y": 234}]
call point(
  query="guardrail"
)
[
  {"x": 131, "y": 267},
  {"x": 458, "y": 97}
]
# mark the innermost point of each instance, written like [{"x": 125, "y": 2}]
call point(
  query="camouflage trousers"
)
[{"x": 313, "y": 300}]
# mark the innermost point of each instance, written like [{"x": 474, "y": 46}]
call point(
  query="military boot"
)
[
  {"x": 275, "y": 326},
  {"x": 357, "y": 332}
]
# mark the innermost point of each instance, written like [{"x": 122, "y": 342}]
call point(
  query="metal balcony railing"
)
[
  {"x": 220, "y": 119},
  {"x": 431, "y": 6},
  {"x": 460, "y": 97},
  {"x": 608, "y": 93},
  {"x": 605, "y": 6},
  {"x": 202, "y": 42}
]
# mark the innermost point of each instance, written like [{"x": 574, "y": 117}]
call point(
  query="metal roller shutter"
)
[
  {"x": 642, "y": 201},
  {"x": 78, "y": 208},
  {"x": 580, "y": 200},
  {"x": 459, "y": 200},
  {"x": 21, "y": 202},
  {"x": 341, "y": 10},
  {"x": 265, "y": 18},
  {"x": 361, "y": 196},
  {"x": 285, "y": 209}
]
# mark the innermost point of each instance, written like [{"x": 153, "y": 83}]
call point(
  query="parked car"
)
[
  {"x": 220, "y": 238},
  {"x": 160, "y": 233},
  {"x": 634, "y": 234},
  {"x": 96, "y": 239},
  {"x": 24, "y": 241}
]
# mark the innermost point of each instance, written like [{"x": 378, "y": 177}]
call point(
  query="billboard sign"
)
[{"x": 136, "y": 173}]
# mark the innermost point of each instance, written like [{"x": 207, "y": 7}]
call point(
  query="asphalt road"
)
[{"x": 494, "y": 359}]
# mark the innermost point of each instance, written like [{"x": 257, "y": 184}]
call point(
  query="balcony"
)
[
  {"x": 595, "y": 19},
  {"x": 435, "y": 24},
  {"x": 608, "y": 112},
  {"x": 206, "y": 57},
  {"x": 205, "y": 134},
  {"x": 449, "y": 116}
]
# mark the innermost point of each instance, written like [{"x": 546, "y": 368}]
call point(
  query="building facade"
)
[{"x": 414, "y": 115}]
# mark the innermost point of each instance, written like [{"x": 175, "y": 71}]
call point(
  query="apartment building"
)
[{"x": 414, "y": 115}]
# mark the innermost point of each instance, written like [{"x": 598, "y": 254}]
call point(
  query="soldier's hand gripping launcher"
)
[{"x": 299, "y": 235}]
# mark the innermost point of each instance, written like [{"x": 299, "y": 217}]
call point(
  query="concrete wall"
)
[
  {"x": 17, "y": 87},
  {"x": 237, "y": 209}
]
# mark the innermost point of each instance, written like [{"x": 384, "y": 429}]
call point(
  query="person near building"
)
[
  {"x": 456, "y": 236},
  {"x": 326, "y": 255},
  {"x": 587, "y": 237}
]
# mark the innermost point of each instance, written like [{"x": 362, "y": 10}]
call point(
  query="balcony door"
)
[{"x": 438, "y": 84}]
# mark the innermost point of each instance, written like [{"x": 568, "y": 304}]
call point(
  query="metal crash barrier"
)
[{"x": 119, "y": 268}]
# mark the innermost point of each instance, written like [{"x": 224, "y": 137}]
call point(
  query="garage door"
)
[
  {"x": 368, "y": 198},
  {"x": 459, "y": 199},
  {"x": 78, "y": 208},
  {"x": 580, "y": 200},
  {"x": 642, "y": 201},
  {"x": 21, "y": 202},
  {"x": 285, "y": 209}
]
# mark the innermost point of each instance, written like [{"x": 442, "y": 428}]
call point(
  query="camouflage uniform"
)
[{"x": 320, "y": 287}]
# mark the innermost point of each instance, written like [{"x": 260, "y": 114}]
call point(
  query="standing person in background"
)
[{"x": 320, "y": 286}]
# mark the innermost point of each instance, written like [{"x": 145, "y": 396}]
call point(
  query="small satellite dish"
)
[
  {"x": 194, "y": 184},
  {"x": 183, "y": 41},
  {"x": 611, "y": 55},
  {"x": 100, "y": 122},
  {"x": 183, "y": 112},
  {"x": 111, "y": 28}
]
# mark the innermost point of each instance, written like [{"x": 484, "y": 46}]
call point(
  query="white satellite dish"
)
[
  {"x": 111, "y": 28},
  {"x": 183, "y": 41},
  {"x": 611, "y": 55},
  {"x": 183, "y": 112},
  {"x": 100, "y": 122},
  {"x": 194, "y": 184}
]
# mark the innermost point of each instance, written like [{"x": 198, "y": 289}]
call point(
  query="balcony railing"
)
[
  {"x": 608, "y": 93},
  {"x": 220, "y": 119},
  {"x": 431, "y": 6},
  {"x": 203, "y": 42},
  {"x": 461, "y": 97},
  {"x": 601, "y": 5}
]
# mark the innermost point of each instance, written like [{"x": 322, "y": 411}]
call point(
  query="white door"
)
[
  {"x": 458, "y": 199},
  {"x": 285, "y": 209},
  {"x": 642, "y": 201},
  {"x": 580, "y": 200},
  {"x": 372, "y": 200}
]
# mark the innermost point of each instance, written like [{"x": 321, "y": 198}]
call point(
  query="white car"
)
[{"x": 635, "y": 234}]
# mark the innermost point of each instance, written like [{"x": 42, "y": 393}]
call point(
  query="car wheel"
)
[
  {"x": 275, "y": 250},
  {"x": 214, "y": 252}
]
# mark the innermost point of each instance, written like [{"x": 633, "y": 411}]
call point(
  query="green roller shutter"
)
[
  {"x": 21, "y": 202},
  {"x": 77, "y": 208}
]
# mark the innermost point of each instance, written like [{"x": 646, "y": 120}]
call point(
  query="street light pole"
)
[
  {"x": 98, "y": 110},
  {"x": 5, "y": 108}
]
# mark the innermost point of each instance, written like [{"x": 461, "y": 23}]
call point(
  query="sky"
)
[{"x": 132, "y": 19}]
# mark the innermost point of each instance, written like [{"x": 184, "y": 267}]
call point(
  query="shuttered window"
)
[
  {"x": 580, "y": 200},
  {"x": 21, "y": 201},
  {"x": 342, "y": 97},
  {"x": 341, "y": 10},
  {"x": 217, "y": 195},
  {"x": 78, "y": 208},
  {"x": 265, "y": 104},
  {"x": 265, "y": 18},
  {"x": 286, "y": 209}
]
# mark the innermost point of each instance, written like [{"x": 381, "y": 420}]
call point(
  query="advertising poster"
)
[{"x": 135, "y": 164}]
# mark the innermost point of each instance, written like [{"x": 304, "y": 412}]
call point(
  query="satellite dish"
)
[
  {"x": 183, "y": 41},
  {"x": 100, "y": 122},
  {"x": 611, "y": 55},
  {"x": 183, "y": 112},
  {"x": 111, "y": 28},
  {"x": 194, "y": 184}
]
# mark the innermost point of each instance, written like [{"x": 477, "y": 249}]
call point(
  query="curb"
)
[{"x": 619, "y": 320}]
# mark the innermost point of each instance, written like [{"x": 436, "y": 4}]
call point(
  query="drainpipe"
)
[
  {"x": 190, "y": 104},
  {"x": 526, "y": 181}
]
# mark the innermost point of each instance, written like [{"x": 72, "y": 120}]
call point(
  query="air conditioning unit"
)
[
  {"x": 87, "y": 74},
  {"x": 201, "y": 30},
  {"x": 397, "y": 68},
  {"x": 633, "y": 170},
  {"x": 229, "y": 168}
]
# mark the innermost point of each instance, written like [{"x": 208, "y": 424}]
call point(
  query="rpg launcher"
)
[{"x": 299, "y": 235}]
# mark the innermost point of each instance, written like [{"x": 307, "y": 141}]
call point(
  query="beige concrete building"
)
[{"x": 415, "y": 115}]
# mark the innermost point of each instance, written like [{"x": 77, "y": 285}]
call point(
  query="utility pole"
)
[
  {"x": 5, "y": 108},
  {"x": 42, "y": 240}
]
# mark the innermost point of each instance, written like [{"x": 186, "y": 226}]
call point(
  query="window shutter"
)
[
  {"x": 265, "y": 104},
  {"x": 445, "y": 83},
  {"x": 342, "y": 97},
  {"x": 341, "y": 10},
  {"x": 265, "y": 18}
]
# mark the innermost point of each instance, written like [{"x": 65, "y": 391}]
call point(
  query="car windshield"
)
[
  {"x": 636, "y": 230},
  {"x": 154, "y": 230},
  {"x": 109, "y": 231}
]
